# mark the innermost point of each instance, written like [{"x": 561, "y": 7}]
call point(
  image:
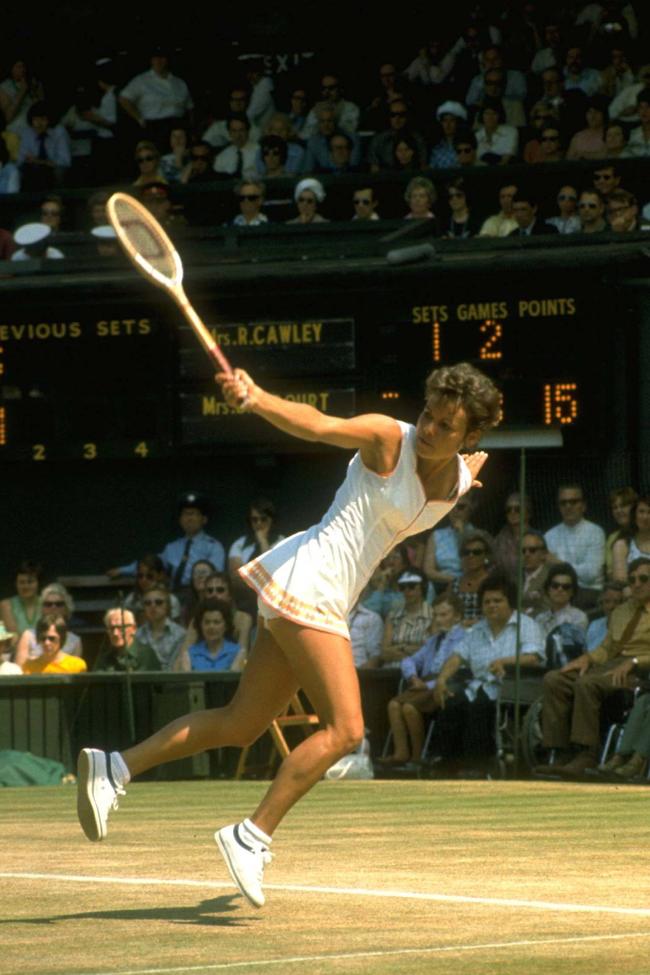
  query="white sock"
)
[
  {"x": 121, "y": 774},
  {"x": 256, "y": 832}
]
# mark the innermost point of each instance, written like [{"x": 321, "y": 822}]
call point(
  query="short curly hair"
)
[{"x": 469, "y": 388}]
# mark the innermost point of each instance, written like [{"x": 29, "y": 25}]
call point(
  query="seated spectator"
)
[
  {"x": 514, "y": 86},
  {"x": 20, "y": 612},
  {"x": 431, "y": 65},
  {"x": 420, "y": 194},
  {"x": 419, "y": 671},
  {"x": 216, "y": 134},
  {"x": 9, "y": 172},
  {"x": 540, "y": 117},
  {"x": 149, "y": 573},
  {"x": 173, "y": 163},
  {"x": 365, "y": 204},
  {"x": 159, "y": 632},
  {"x": 623, "y": 212},
  {"x": 496, "y": 142},
  {"x": 617, "y": 74},
  {"x": 466, "y": 719},
  {"x": 297, "y": 113},
  {"x": 180, "y": 555},
  {"x": 443, "y": 155},
  {"x": 589, "y": 143},
  {"x": 317, "y": 150},
  {"x": 123, "y": 651},
  {"x": 476, "y": 560},
  {"x": 612, "y": 596},
  {"x": 579, "y": 542},
  {"x": 573, "y": 696},
  {"x": 465, "y": 149},
  {"x": 387, "y": 90},
  {"x": 250, "y": 195},
  {"x": 550, "y": 145},
  {"x": 105, "y": 241},
  {"x": 634, "y": 541},
  {"x": 56, "y": 603},
  {"x": 591, "y": 210},
  {"x": 407, "y": 628},
  {"x": 272, "y": 157},
  {"x": 34, "y": 243},
  {"x": 462, "y": 222},
  {"x": 441, "y": 562},
  {"x": 52, "y": 211},
  {"x": 567, "y": 221},
  {"x": 507, "y": 542},
  {"x": 238, "y": 158},
  {"x": 148, "y": 159},
  {"x": 279, "y": 125},
  {"x": 156, "y": 99},
  {"x": 623, "y": 107},
  {"x": 513, "y": 108},
  {"x": 577, "y": 76},
  {"x": 503, "y": 222},
  {"x": 553, "y": 95},
  {"x": 18, "y": 92},
  {"x": 382, "y": 593},
  {"x": 200, "y": 168},
  {"x": 157, "y": 200},
  {"x": 346, "y": 114},
  {"x": 51, "y": 636},
  {"x": 341, "y": 149},
  {"x": 550, "y": 54},
  {"x": 406, "y": 158},
  {"x": 308, "y": 193},
  {"x": 561, "y": 587},
  {"x": 639, "y": 142},
  {"x": 7, "y": 667},
  {"x": 44, "y": 155},
  {"x": 366, "y": 634},
  {"x": 622, "y": 501},
  {"x": 214, "y": 649},
  {"x": 218, "y": 585},
  {"x": 615, "y": 141},
  {"x": 536, "y": 569},
  {"x": 261, "y": 534},
  {"x": 381, "y": 151},
  {"x": 524, "y": 209},
  {"x": 201, "y": 571},
  {"x": 96, "y": 208}
]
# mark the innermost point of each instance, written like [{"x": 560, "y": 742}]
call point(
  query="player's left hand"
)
[{"x": 475, "y": 463}]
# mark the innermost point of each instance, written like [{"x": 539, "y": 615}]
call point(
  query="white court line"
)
[
  {"x": 345, "y": 891},
  {"x": 347, "y": 955}
]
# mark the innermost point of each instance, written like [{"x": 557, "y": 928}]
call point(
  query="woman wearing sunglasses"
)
[
  {"x": 401, "y": 481},
  {"x": 475, "y": 560},
  {"x": 560, "y": 587},
  {"x": 407, "y": 628},
  {"x": 56, "y": 602},
  {"x": 147, "y": 158}
]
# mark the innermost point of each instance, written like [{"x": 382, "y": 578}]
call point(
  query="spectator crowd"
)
[
  {"x": 439, "y": 611},
  {"x": 548, "y": 85}
]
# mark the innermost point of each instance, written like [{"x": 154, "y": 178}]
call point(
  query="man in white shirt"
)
[
  {"x": 366, "y": 632},
  {"x": 346, "y": 113},
  {"x": 156, "y": 98},
  {"x": 639, "y": 141},
  {"x": 261, "y": 105},
  {"x": 579, "y": 542},
  {"x": 217, "y": 132},
  {"x": 237, "y": 159},
  {"x": 502, "y": 223}
]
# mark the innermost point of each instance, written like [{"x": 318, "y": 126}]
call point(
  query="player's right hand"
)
[{"x": 238, "y": 389}]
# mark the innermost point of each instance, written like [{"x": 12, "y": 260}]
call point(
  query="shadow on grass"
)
[{"x": 216, "y": 912}]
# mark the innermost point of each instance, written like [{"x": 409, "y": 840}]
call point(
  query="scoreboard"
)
[{"x": 89, "y": 382}]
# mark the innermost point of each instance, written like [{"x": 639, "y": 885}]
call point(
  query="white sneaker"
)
[
  {"x": 96, "y": 793},
  {"x": 245, "y": 858}
]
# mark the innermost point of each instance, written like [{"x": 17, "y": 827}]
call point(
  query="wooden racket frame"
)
[{"x": 173, "y": 286}]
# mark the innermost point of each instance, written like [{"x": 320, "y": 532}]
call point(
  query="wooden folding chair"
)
[{"x": 293, "y": 716}]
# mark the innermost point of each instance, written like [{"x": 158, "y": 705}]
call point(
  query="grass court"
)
[{"x": 451, "y": 878}]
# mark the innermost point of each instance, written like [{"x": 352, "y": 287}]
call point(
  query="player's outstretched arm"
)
[{"x": 378, "y": 437}]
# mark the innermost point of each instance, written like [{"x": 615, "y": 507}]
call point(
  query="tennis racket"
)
[{"x": 155, "y": 257}]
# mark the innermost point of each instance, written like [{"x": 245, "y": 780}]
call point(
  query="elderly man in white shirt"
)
[
  {"x": 579, "y": 542},
  {"x": 156, "y": 97}
]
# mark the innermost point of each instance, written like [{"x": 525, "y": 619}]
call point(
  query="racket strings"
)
[{"x": 145, "y": 241}]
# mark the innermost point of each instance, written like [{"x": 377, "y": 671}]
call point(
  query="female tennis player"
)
[{"x": 402, "y": 480}]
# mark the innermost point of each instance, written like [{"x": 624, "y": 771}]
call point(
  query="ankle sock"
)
[
  {"x": 118, "y": 770},
  {"x": 256, "y": 832}
]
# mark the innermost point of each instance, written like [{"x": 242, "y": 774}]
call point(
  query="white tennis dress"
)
[{"x": 315, "y": 577}]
